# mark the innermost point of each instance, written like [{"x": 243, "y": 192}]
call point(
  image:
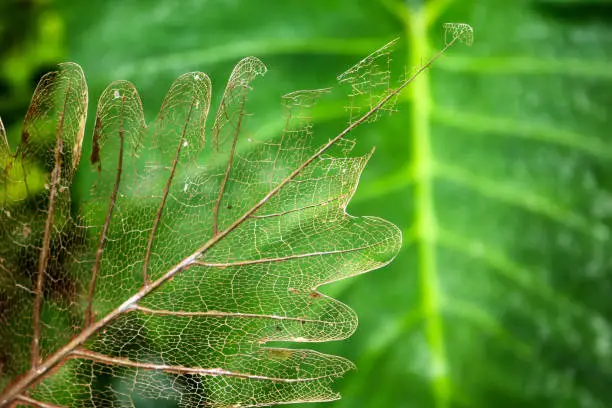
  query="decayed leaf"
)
[{"x": 178, "y": 272}]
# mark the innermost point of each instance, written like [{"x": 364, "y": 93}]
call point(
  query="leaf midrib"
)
[{"x": 425, "y": 224}]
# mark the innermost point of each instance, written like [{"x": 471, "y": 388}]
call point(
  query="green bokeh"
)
[{"x": 496, "y": 167}]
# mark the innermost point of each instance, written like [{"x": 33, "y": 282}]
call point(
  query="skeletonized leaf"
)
[
  {"x": 36, "y": 228},
  {"x": 182, "y": 270}
]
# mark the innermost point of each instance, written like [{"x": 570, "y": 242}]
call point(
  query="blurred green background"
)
[{"x": 497, "y": 167}]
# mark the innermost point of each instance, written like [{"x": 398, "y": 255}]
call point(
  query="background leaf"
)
[{"x": 497, "y": 167}]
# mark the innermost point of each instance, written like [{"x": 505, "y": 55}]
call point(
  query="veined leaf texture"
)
[
  {"x": 178, "y": 270},
  {"x": 495, "y": 167}
]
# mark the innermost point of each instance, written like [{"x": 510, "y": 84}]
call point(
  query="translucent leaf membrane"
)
[
  {"x": 368, "y": 82},
  {"x": 458, "y": 31},
  {"x": 117, "y": 141},
  {"x": 146, "y": 193},
  {"x": 37, "y": 292},
  {"x": 187, "y": 268},
  {"x": 313, "y": 375}
]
